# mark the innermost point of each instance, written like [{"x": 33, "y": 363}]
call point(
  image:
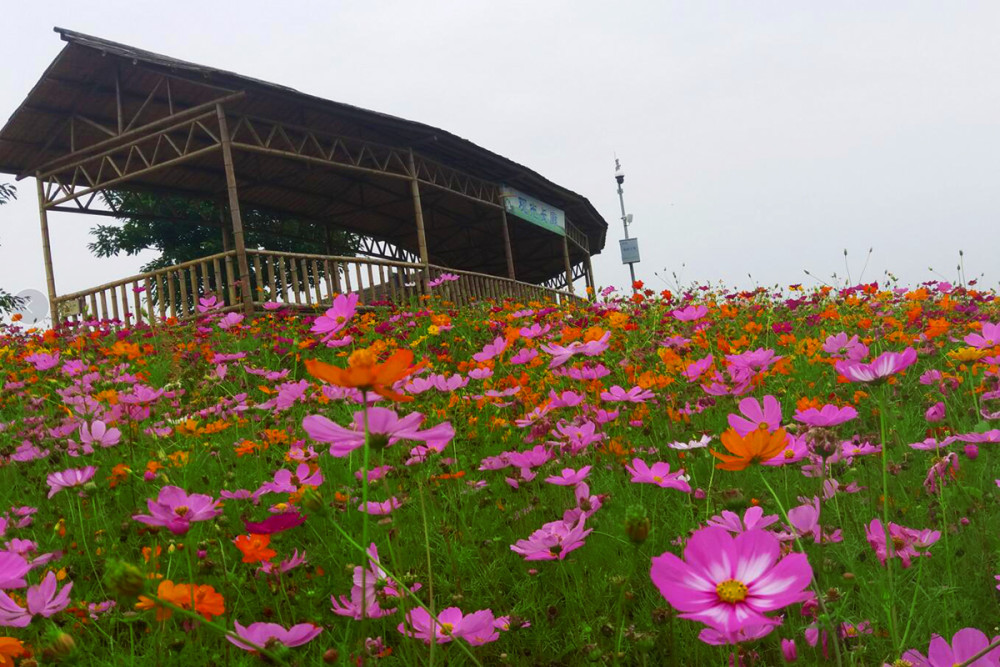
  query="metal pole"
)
[{"x": 621, "y": 200}]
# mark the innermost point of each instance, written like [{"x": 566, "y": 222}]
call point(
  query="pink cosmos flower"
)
[
  {"x": 770, "y": 414},
  {"x": 552, "y": 541},
  {"x": 535, "y": 330},
  {"x": 730, "y": 583},
  {"x": 385, "y": 428},
  {"x": 230, "y": 320},
  {"x": 290, "y": 563},
  {"x": 277, "y": 523},
  {"x": 98, "y": 433},
  {"x": 285, "y": 481},
  {"x": 695, "y": 369},
  {"x": 704, "y": 441},
  {"x": 966, "y": 643},
  {"x": 569, "y": 477},
  {"x": 634, "y": 395},
  {"x": 804, "y": 521},
  {"x": 491, "y": 350},
  {"x": 442, "y": 279},
  {"x": 845, "y": 348},
  {"x": 942, "y": 468},
  {"x": 208, "y": 303},
  {"x": 380, "y": 508},
  {"x": 905, "y": 541},
  {"x": 336, "y": 317},
  {"x": 267, "y": 635},
  {"x": 476, "y": 628},
  {"x": 884, "y": 365},
  {"x": 988, "y": 337},
  {"x": 828, "y": 415},
  {"x": 523, "y": 356},
  {"x": 68, "y": 479},
  {"x": 658, "y": 474},
  {"x": 935, "y": 413},
  {"x": 562, "y": 353},
  {"x": 175, "y": 509},
  {"x": 690, "y": 313},
  {"x": 13, "y": 567},
  {"x": 43, "y": 361},
  {"x": 746, "y": 633},
  {"x": 752, "y": 518},
  {"x": 40, "y": 600}
]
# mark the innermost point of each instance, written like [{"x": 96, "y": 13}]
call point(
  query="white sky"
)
[{"x": 757, "y": 138}]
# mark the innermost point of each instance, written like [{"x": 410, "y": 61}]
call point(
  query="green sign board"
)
[{"x": 534, "y": 211}]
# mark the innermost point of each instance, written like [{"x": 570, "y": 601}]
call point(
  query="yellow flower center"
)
[
  {"x": 361, "y": 358},
  {"x": 657, "y": 479},
  {"x": 447, "y": 628},
  {"x": 732, "y": 591},
  {"x": 182, "y": 510}
]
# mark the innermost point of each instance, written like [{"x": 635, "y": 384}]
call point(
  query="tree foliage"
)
[
  {"x": 182, "y": 229},
  {"x": 8, "y": 302}
]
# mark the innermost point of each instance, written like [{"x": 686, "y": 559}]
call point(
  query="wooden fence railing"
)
[{"x": 296, "y": 279}]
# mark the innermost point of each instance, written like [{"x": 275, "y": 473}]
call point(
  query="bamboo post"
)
[
  {"x": 569, "y": 268},
  {"x": 590, "y": 277},
  {"x": 418, "y": 212},
  {"x": 506, "y": 245},
  {"x": 234, "y": 211},
  {"x": 50, "y": 279},
  {"x": 227, "y": 245}
]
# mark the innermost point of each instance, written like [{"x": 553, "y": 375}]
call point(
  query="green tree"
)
[
  {"x": 182, "y": 229},
  {"x": 8, "y": 302}
]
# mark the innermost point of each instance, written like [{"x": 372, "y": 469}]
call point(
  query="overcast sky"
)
[{"x": 758, "y": 138}]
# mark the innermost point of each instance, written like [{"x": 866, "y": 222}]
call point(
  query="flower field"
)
[{"x": 707, "y": 478}]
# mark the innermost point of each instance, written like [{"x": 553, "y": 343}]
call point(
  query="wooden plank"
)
[
  {"x": 217, "y": 280},
  {"x": 172, "y": 290},
  {"x": 305, "y": 282},
  {"x": 316, "y": 281},
  {"x": 161, "y": 296},
  {"x": 258, "y": 280},
  {"x": 295, "y": 281},
  {"x": 371, "y": 283},
  {"x": 150, "y": 306},
  {"x": 279, "y": 265},
  {"x": 104, "y": 306},
  {"x": 328, "y": 278},
  {"x": 137, "y": 303},
  {"x": 361, "y": 292},
  {"x": 335, "y": 274},
  {"x": 183, "y": 307},
  {"x": 347, "y": 278},
  {"x": 269, "y": 262}
]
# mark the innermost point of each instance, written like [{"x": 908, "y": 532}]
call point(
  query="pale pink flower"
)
[
  {"x": 98, "y": 433},
  {"x": 476, "y": 628},
  {"x": 269, "y": 634},
  {"x": 41, "y": 600},
  {"x": 68, "y": 479},
  {"x": 988, "y": 337},
  {"x": 828, "y": 415},
  {"x": 884, "y": 365},
  {"x": 769, "y": 414},
  {"x": 554, "y": 540},
  {"x": 569, "y": 477},
  {"x": 658, "y": 474},
  {"x": 752, "y": 518}
]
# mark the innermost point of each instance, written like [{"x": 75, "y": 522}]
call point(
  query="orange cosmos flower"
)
[
  {"x": 207, "y": 601},
  {"x": 11, "y": 648},
  {"x": 758, "y": 445},
  {"x": 364, "y": 373},
  {"x": 254, "y": 548}
]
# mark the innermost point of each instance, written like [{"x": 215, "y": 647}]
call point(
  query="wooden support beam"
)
[
  {"x": 590, "y": 277},
  {"x": 419, "y": 214},
  {"x": 569, "y": 267},
  {"x": 508, "y": 252},
  {"x": 50, "y": 279},
  {"x": 234, "y": 212}
]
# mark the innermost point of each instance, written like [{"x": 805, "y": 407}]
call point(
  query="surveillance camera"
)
[
  {"x": 628, "y": 218},
  {"x": 619, "y": 176}
]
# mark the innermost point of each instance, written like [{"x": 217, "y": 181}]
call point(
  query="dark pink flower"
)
[
  {"x": 476, "y": 628},
  {"x": 730, "y": 583},
  {"x": 176, "y": 510},
  {"x": 966, "y": 643},
  {"x": 884, "y": 365},
  {"x": 269, "y": 635},
  {"x": 828, "y": 415}
]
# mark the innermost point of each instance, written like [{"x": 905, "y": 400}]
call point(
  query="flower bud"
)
[
  {"x": 58, "y": 645},
  {"x": 637, "y": 524},
  {"x": 124, "y": 580}
]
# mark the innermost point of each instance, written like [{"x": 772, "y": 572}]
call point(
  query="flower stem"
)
[{"x": 889, "y": 546}]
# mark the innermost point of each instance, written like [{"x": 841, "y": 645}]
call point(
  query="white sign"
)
[
  {"x": 533, "y": 210},
  {"x": 630, "y": 250}
]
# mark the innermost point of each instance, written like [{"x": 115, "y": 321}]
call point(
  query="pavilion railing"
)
[{"x": 297, "y": 280}]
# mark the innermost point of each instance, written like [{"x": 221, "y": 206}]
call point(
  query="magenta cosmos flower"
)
[
  {"x": 552, "y": 541},
  {"x": 884, "y": 365},
  {"x": 176, "y": 510},
  {"x": 569, "y": 477},
  {"x": 752, "y": 518},
  {"x": 905, "y": 541},
  {"x": 966, "y": 643},
  {"x": 755, "y": 414},
  {"x": 385, "y": 428},
  {"x": 13, "y": 567},
  {"x": 988, "y": 337},
  {"x": 336, "y": 317},
  {"x": 98, "y": 433},
  {"x": 270, "y": 635},
  {"x": 828, "y": 415},
  {"x": 68, "y": 479},
  {"x": 729, "y": 582},
  {"x": 658, "y": 474},
  {"x": 690, "y": 313},
  {"x": 40, "y": 600},
  {"x": 477, "y": 628}
]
